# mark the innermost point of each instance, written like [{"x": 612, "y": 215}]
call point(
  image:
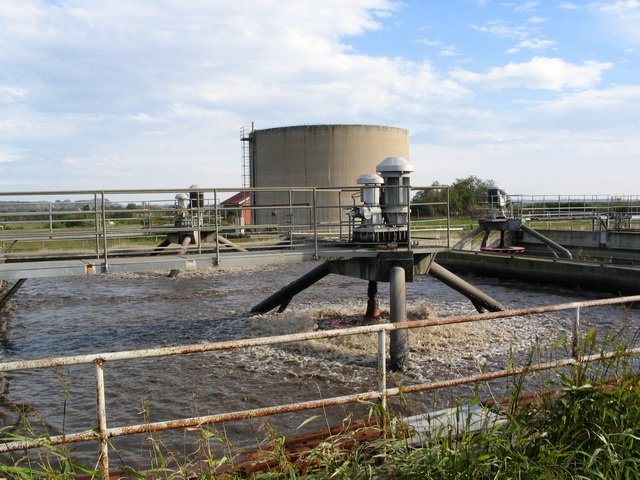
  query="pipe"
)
[
  {"x": 12, "y": 291},
  {"x": 467, "y": 238},
  {"x": 373, "y": 309},
  {"x": 229, "y": 243},
  {"x": 161, "y": 246},
  {"x": 184, "y": 246},
  {"x": 556, "y": 247},
  {"x": 479, "y": 299},
  {"x": 399, "y": 344},
  {"x": 485, "y": 238},
  {"x": 284, "y": 295}
]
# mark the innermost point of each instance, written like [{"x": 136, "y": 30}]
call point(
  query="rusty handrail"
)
[{"x": 103, "y": 433}]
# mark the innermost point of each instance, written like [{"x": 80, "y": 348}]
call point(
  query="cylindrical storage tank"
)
[{"x": 317, "y": 156}]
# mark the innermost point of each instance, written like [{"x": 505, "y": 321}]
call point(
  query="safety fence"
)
[
  {"x": 380, "y": 393},
  {"x": 620, "y": 210},
  {"x": 121, "y": 223}
]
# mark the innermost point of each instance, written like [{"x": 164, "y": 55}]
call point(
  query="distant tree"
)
[
  {"x": 423, "y": 202},
  {"x": 124, "y": 212},
  {"x": 465, "y": 196},
  {"x": 468, "y": 193}
]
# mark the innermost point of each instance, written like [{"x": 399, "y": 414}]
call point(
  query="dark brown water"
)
[{"x": 66, "y": 316}]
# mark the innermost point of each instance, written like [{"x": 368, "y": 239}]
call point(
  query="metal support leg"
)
[
  {"x": 399, "y": 345},
  {"x": 284, "y": 295},
  {"x": 373, "y": 309},
  {"x": 485, "y": 239},
  {"x": 479, "y": 299},
  {"x": 12, "y": 291},
  {"x": 184, "y": 246}
]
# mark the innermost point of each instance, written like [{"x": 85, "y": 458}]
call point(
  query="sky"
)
[{"x": 541, "y": 96}]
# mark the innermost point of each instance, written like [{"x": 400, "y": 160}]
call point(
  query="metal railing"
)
[
  {"x": 566, "y": 207},
  {"x": 103, "y": 432},
  {"x": 119, "y": 223}
]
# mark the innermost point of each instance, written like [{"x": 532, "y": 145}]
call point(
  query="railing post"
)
[
  {"x": 448, "y": 220},
  {"x": 290, "y": 218},
  {"x": 96, "y": 219},
  {"x": 50, "y": 219},
  {"x": 217, "y": 225},
  {"x": 200, "y": 219},
  {"x": 102, "y": 419},
  {"x": 382, "y": 368},
  {"x": 315, "y": 224},
  {"x": 408, "y": 206},
  {"x": 575, "y": 326},
  {"x": 340, "y": 216},
  {"x": 104, "y": 232}
]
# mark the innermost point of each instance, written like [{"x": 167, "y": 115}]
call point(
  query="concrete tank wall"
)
[{"x": 318, "y": 156}]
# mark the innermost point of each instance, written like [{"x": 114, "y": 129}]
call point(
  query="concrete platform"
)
[
  {"x": 90, "y": 266},
  {"x": 129, "y": 264}
]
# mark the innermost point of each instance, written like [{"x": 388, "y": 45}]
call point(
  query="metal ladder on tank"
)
[{"x": 245, "y": 141}]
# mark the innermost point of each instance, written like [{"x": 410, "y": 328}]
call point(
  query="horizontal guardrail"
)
[
  {"x": 543, "y": 207},
  {"x": 100, "y": 360},
  {"x": 108, "y": 223}
]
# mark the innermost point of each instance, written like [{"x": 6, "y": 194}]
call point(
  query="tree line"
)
[{"x": 466, "y": 196}]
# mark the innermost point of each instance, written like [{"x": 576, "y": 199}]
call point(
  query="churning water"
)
[{"x": 68, "y": 316}]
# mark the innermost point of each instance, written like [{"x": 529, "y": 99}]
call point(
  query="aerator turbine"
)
[{"x": 384, "y": 215}]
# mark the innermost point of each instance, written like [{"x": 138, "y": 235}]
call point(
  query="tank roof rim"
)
[{"x": 332, "y": 125}]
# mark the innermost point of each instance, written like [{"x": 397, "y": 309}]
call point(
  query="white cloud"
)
[
  {"x": 106, "y": 85},
  {"x": 449, "y": 51},
  {"x": 429, "y": 42},
  {"x": 532, "y": 44},
  {"x": 112, "y": 94},
  {"x": 444, "y": 50},
  {"x": 538, "y": 20},
  {"x": 541, "y": 73},
  {"x": 609, "y": 108},
  {"x": 621, "y": 6},
  {"x": 579, "y": 143},
  {"x": 526, "y": 35},
  {"x": 623, "y": 20},
  {"x": 11, "y": 94},
  {"x": 527, "y": 6},
  {"x": 570, "y": 6},
  {"x": 6, "y": 158},
  {"x": 501, "y": 29}
]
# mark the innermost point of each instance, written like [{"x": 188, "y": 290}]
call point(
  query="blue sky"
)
[{"x": 541, "y": 96}]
